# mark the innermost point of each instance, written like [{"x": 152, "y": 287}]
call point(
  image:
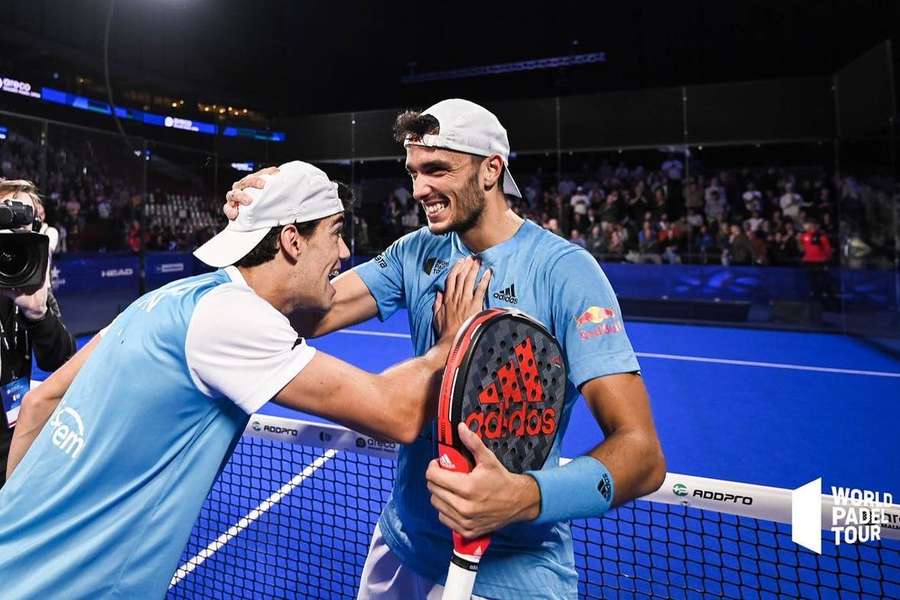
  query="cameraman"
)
[{"x": 29, "y": 320}]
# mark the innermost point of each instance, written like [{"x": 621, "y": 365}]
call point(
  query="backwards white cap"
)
[
  {"x": 468, "y": 127},
  {"x": 299, "y": 192}
]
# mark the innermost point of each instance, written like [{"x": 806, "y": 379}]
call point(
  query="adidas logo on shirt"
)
[{"x": 507, "y": 295}]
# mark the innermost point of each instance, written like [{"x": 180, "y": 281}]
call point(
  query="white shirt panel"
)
[{"x": 239, "y": 346}]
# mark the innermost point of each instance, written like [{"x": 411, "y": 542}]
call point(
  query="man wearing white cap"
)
[
  {"x": 140, "y": 421},
  {"x": 457, "y": 155}
]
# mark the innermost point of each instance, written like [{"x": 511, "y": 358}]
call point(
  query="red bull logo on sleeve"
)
[{"x": 597, "y": 321}]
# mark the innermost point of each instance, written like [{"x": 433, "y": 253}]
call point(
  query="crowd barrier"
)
[
  {"x": 757, "y": 285},
  {"x": 92, "y": 288}
]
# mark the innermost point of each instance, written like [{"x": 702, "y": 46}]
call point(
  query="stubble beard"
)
[{"x": 471, "y": 204}]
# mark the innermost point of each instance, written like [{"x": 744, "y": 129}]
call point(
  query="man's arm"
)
[
  {"x": 51, "y": 342},
  {"x": 631, "y": 449},
  {"x": 39, "y": 404},
  {"x": 490, "y": 497},
  {"x": 397, "y": 403},
  {"x": 393, "y": 405}
]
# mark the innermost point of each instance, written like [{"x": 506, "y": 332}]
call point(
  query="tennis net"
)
[{"x": 292, "y": 513}]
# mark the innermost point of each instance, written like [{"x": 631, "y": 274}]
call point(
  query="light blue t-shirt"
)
[
  {"x": 562, "y": 286},
  {"x": 103, "y": 503}
]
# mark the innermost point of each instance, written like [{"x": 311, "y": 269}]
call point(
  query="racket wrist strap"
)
[{"x": 580, "y": 489}]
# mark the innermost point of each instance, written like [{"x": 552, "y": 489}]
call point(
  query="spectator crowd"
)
[
  {"x": 95, "y": 206},
  {"x": 770, "y": 216}
]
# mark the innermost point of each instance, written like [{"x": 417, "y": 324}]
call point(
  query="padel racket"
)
[{"x": 506, "y": 380}]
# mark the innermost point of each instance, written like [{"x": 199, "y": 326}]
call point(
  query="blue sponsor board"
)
[
  {"x": 132, "y": 114},
  {"x": 89, "y": 272},
  {"x": 760, "y": 285},
  {"x": 255, "y": 134},
  {"x": 147, "y": 118},
  {"x": 93, "y": 288},
  {"x": 706, "y": 282},
  {"x": 162, "y": 267},
  {"x": 75, "y": 273}
]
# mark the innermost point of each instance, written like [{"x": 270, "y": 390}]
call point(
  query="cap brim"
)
[
  {"x": 229, "y": 246},
  {"x": 509, "y": 184}
]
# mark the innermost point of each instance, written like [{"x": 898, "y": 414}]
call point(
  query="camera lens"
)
[
  {"x": 23, "y": 259},
  {"x": 13, "y": 260}
]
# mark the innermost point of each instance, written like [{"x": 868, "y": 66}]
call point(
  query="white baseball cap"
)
[
  {"x": 297, "y": 193},
  {"x": 468, "y": 127}
]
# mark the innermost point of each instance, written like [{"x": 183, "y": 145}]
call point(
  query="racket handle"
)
[
  {"x": 461, "y": 576},
  {"x": 466, "y": 553}
]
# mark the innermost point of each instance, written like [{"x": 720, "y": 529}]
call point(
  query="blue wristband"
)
[{"x": 582, "y": 488}]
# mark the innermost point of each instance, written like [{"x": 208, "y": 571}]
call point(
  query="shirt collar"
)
[
  {"x": 235, "y": 275},
  {"x": 498, "y": 251}
]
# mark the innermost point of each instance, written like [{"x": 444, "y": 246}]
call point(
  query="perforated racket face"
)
[{"x": 510, "y": 389}]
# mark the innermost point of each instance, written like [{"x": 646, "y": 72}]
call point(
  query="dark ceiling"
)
[{"x": 293, "y": 56}]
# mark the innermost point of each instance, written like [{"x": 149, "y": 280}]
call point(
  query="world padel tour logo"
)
[
  {"x": 857, "y": 516},
  {"x": 679, "y": 489},
  {"x": 434, "y": 266},
  {"x": 513, "y": 402}
]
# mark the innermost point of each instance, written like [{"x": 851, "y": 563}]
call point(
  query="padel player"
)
[
  {"x": 457, "y": 155},
  {"x": 140, "y": 421}
]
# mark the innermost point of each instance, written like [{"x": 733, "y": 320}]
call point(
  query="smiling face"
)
[
  {"x": 319, "y": 262},
  {"x": 447, "y": 185}
]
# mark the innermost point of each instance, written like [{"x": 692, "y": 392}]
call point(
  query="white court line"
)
[
  {"x": 245, "y": 521},
  {"x": 752, "y": 363},
  {"x": 703, "y": 359},
  {"x": 404, "y": 336}
]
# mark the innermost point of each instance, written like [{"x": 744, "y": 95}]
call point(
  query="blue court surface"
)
[{"x": 764, "y": 407}]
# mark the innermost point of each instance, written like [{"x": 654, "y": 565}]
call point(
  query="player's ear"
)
[
  {"x": 292, "y": 243},
  {"x": 491, "y": 171}
]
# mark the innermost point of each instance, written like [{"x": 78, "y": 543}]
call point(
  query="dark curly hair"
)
[
  {"x": 267, "y": 248},
  {"x": 414, "y": 125}
]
